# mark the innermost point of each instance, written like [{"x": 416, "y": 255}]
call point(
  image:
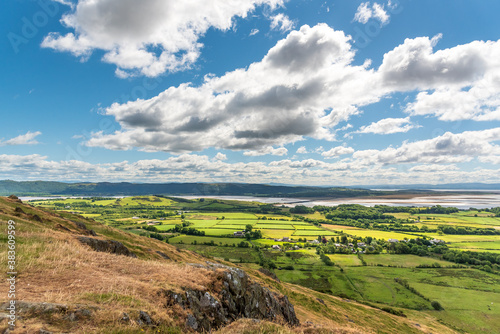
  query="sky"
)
[{"x": 305, "y": 92}]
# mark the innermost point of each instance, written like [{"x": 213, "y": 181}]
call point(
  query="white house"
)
[
  {"x": 276, "y": 247},
  {"x": 393, "y": 240}
]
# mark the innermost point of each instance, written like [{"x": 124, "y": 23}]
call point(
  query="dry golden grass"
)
[{"x": 250, "y": 326}]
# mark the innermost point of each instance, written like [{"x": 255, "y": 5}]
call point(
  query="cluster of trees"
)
[
  {"x": 265, "y": 262},
  {"x": 418, "y": 246},
  {"x": 250, "y": 234},
  {"x": 355, "y": 212},
  {"x": 487, "y": 260},
  {"x": 437, "y": 209},
  {"x": 496, "y": 211},
  {"x": 301, "y": 209},
  {"x": 186, "y": 230},
  {"x": 329, "y": 247},
  {"x": 464, "y": 230}
]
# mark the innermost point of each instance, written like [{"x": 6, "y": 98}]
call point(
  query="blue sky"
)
[{"x": 296, "y": 92}]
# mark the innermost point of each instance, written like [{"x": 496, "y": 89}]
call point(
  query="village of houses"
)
[{"x": 359, "y": 247}]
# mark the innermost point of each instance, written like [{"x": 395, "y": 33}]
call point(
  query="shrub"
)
[
  {"x": 436, "y": 305},
  {"x": 393, "y": 311}
]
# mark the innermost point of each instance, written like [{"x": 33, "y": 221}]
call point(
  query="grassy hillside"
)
[{"x": 97, "y": 288}]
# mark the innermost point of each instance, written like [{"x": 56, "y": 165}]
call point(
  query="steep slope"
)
[{"x": 75, "y": 275}]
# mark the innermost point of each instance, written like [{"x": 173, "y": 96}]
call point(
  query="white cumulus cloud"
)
[
  {"x": 27, "y": 139},
  {"x": 304, "y": 86},
  {"x": 149, "y": 37},
  {"x": 376, "y": 11},
  {"x": 337, "y": 151},
  {"x": 447, "y": 148},
  {"x": 267, "y": 151},
  {"x": 388, "y": 126},
  {"x": 281, "y": 22}
]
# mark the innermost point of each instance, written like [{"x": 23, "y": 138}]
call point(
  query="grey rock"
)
[
  {"x": 108, "y": 246},
  {"x": 191, "y": 322},
  {"x": 79, "y": 314},
  {"x": 163, "y": 255},
  {"x": 15, "y": 198},
  {"x": 37, "y": 218},
  {"x": 84, "y": 228},
  {"x": 240, "y": 297},
  {"x": 19, "y": 210},
  {"x": 35, "y": 307},
  {"x": 145, "y": 319},
  {"x": 125, "y": 317}
]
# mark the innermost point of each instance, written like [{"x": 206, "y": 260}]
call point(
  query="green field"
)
[
  {"x": 345, "y": 260},
  {"x": 232, "y": 215},
  {"x": 238, "y": 221},
  {"x": 274, "y": 216},
  {"x": 188, "y": 239},
  {"x": 379, "y": 234},
  {"x": 218, "y": 231},
  {"x": 274, "y": 226},
  {"x": 271, "y": 233},
  {"x": 165, "y": 227},
  {"x": 314, "y": 233},
  {"x": 399, "y": 260},
  {"x": 463, "y": 218},
  {"x": 203, "y": 223}
]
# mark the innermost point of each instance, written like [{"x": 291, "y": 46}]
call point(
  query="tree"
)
[
  {"x": 248, "y": 228},
  {"x": 436, "y": 305},
  {"x": 301, "y": 209}
]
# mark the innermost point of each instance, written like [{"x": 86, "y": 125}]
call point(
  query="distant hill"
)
[{"x": 44, "y": 188}]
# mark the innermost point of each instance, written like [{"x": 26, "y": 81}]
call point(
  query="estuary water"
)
[{"x": 479, "y": 200}]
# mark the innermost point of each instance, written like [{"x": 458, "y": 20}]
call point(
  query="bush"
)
[
  {"x": 436, "y": 305},
  {"x": 393, "y": 311}
]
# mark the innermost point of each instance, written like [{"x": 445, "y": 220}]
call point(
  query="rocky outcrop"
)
[
  {"x": 84, "y": 229},
  {"x": 15, "y": 198},
  {"x": 37, "y": 218},
  {"x": 108, "y": 246},
  {"x": 163, "y": 255},
  {"x": 19, "y": 210},
  {"x": 238, "y": 297}
]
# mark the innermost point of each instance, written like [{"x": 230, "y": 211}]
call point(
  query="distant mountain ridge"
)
[
  {"x": 50, "y": 188},
  {"x": 45, "y": 188}
]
